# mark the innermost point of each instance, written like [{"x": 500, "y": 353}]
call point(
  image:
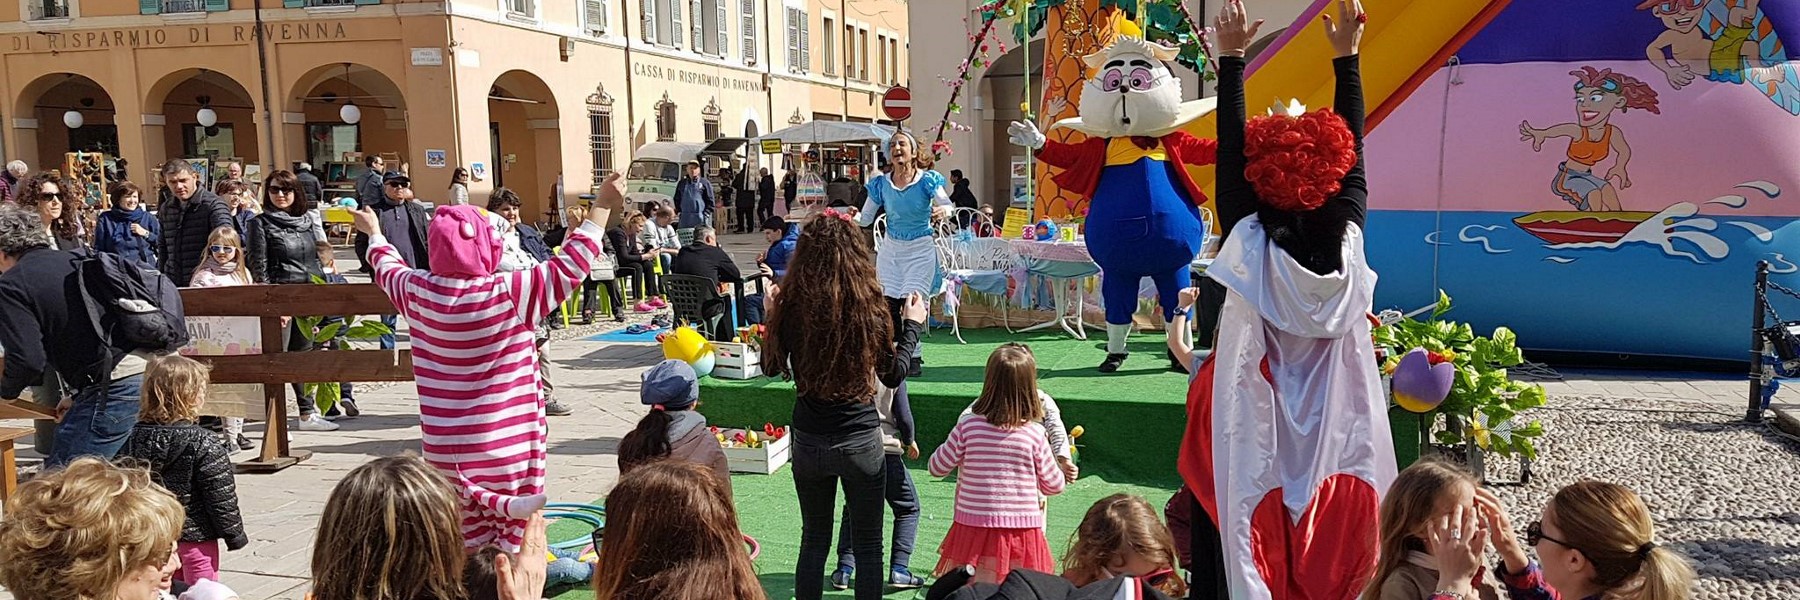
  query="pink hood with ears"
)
[{"x": 463, "y": 243}]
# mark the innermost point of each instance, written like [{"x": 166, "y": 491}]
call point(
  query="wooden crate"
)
[
  {"x": 733, "y": 360},
  {"x": 763, "y": 460}
]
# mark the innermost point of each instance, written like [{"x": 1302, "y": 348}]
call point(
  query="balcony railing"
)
[
  {"x": 330, "y": 2},
  {"x": 49, "y": 9},
  {"x": 183, "y": 6}
]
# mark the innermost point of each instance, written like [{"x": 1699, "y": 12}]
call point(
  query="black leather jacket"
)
[
  {"x": 282, "y": 248},
  {"x": 193, "y": 464}
]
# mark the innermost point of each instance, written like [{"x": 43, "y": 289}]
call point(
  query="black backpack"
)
[{"x": 132, "y": 306}]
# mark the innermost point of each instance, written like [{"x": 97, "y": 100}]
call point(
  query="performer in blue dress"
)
[{"x": 913, "y": 195}]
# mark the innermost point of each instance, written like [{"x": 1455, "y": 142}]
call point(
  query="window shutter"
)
[
  {"x": 723, "y": 27},
  {"x": 698, "y": 26},
  {"x": 793, "y": 40},
  {"x": 596, "y": 16},
  {"x": 367, "y": 2},
  {"x": 649, "y": 9},
  {"x": 218, "y": 5},
  {"x": 149, "y": 7},
  {"x": 749, "y": 27},
  {"x": 293, "y": 3},
  {"x": 675, "y": 32},
  {"x": 805, "y": 42}
]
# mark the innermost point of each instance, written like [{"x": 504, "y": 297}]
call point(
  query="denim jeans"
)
[
  {"x": 904, "y": 499},
  {"x": 820, "y": 463},
  {"x": 393, "y": 323},
  {"x": 98, "y": 423}
]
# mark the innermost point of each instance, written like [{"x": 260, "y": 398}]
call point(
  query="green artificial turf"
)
[
  {"x": 768, "y": 511},
  {"x": 1134, "y": 418}
]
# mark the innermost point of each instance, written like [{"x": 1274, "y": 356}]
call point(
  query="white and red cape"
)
[{"x": 1288, "y": 447}]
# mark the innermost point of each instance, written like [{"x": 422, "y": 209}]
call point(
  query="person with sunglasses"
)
[
  {"x": 47, "y": 193},
  {"x": 403, "y": 223},
  {"x": 281, "y": 245},
  {"x": 1595, "y": 540}
]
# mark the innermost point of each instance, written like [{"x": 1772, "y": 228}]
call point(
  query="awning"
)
[
  {"x": 831, "y": 132},
  {"x": 724, "y": 145}
]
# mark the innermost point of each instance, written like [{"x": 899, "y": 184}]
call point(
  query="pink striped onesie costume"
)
[{"x": 475, "y": 363}]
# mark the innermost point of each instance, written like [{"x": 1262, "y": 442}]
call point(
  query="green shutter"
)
[
  {"x": 149, "y": 7},
  {"x": 367, "y": 2},
  {"x": 218, "y": 5},
  {"x": 293, "y": 3}
]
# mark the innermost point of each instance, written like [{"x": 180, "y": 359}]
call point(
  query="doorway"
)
[{"x": 494, "y": 166}]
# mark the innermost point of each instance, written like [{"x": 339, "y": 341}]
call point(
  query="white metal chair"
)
[
  {"x": 970, "y": 258},
  {"x": 879, "y": 230}
]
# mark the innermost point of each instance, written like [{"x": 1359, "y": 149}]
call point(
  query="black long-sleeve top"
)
[
  {"x": 1315, "y": 238},
  {"x": 826, "y": 416}
]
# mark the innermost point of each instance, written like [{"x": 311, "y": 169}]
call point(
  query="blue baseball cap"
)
[{"x": 671, "y": 384}]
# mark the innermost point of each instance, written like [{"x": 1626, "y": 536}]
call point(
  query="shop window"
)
[
  {"x": 49, "y": 9},
  {"x": 665, "y": 120},
  {"x": 799, "y": 38},
  {"x": 332, "y": 142},
  {"x": 600, "y": 136},
  {"x": 593, "y": 17},
  {"x": 830, "y": 47},
  {"x": 662, "y": 21},
  {"x": 747, "y": 11},
  {"x": 209, "y": 142}
]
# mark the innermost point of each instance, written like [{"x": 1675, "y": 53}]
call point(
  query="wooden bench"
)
[{"x": 9, "y": 466}]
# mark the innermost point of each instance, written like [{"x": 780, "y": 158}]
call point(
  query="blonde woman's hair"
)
[
  {"x": 633, "y": 218},
  {"x": 78, "y": 531},
  {"x": 391, "y": 530},
  {"x": 1410, "y": 504},
  {"x": 1009, "y": 396},
  {"x": 1122, "y": 522},
  {"x": 174, "y": 389},
  {"x": 226, "y": 236},
  {"x": 1611, "y": 527}
]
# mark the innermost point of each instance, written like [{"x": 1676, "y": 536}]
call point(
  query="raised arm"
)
[
  {"x": 1353, "y": 194},
  {"x": 539, "y": 290},
  {"x": 1235, "y": 198}
]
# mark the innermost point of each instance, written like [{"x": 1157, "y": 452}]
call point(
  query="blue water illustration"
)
[{"x": 1678, "y": 285}]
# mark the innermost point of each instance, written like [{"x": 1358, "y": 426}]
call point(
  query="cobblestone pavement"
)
[{"x": 1723, "y": 491}]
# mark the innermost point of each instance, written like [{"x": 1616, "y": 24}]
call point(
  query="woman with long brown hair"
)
[
  {"x": 672, "y": 534},
  {"x": 829, "y": 330}
]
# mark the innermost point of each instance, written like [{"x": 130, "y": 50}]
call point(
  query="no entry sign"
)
[{"x": 897, "y": 103}]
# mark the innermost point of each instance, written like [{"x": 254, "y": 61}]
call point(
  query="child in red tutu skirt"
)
[{"x": 1004, "y": 462}]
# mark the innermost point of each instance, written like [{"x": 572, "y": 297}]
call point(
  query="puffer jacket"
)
[
  {"x": 193, "y": 464},
  {"x": 185, "y": 229},
  {"x": 282, "y": 248}
]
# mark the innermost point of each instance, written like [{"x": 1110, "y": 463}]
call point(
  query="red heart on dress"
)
[{"x": 1329, "y": 552}]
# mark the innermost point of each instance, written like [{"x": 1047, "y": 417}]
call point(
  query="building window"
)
[
  {"x": 324, "y": 3},
  {"x": 799, "y": 40},
  {"x": 894, "y": 62},
  {"x": 662, "y": 22},
  {"x": 331, "y": 142},
  {"x": 600, "y": 136},
  {"x": 171, "y": 7},
  {"x": 593, "y": 17},
  {"x": 49, "y": 9},
  {"x": 747, "y": 10},
  {"x": 211, "y": 142},
  {"x": 882, "y": 49},
  {"x": 709, "y": 118},
  {"x": 862, "y": 54},
  {"x": 710, "y": 34},
  {"x": 521, "y": 8},
  {"x": 665, "y": 120},
  {"x": 830, "y": 48}
]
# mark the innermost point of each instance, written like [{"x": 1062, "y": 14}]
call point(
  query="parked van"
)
[{"x": 657, "y": 166}]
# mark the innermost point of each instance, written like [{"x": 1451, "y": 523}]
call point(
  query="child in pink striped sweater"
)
[
  {"x": 475, "y": 360},
  {"x": 1003, "y": 463}
]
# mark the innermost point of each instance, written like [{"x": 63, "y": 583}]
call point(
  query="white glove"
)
[
  {"x": 1025, "y": 133},
  {"x": 208, "y": 589}
]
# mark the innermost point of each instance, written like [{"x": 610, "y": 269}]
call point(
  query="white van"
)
[{"x": 656, "y": 167}]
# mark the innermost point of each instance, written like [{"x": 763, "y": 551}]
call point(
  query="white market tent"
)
[{"x": 831, "y": 132}]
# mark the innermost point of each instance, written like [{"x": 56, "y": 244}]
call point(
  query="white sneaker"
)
[{"x": 314, "y": 422}]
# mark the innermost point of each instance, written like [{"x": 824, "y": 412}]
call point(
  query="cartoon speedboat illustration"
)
[{"x": 1575, "y": 227}]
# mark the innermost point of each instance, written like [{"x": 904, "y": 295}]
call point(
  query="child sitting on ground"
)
[
  {"x": 673, "y": 429},
  {"x": 897, "y": 437},
  {"x": 1054, "y": 431},
  {"x": 1425, "y": 493},
  {"x": 1121, "y": 537},
  {"x": 1003, "y": 462},
  {"x": 189, "y": 461}
]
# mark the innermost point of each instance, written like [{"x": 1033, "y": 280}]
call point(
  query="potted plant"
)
[{"x": 1480, "y": 412}]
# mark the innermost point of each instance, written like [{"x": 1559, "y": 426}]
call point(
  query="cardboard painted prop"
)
[{"x": 1144, "y": 219}]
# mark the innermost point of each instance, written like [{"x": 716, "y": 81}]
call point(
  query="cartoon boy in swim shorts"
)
[{"x": 1598, "y": 94}]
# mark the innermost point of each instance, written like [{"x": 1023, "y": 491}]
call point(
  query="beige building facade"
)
[{"x": 525, "y": 93}]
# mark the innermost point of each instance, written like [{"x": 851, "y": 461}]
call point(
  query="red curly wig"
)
[{"x": 1295, "y": 163}]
